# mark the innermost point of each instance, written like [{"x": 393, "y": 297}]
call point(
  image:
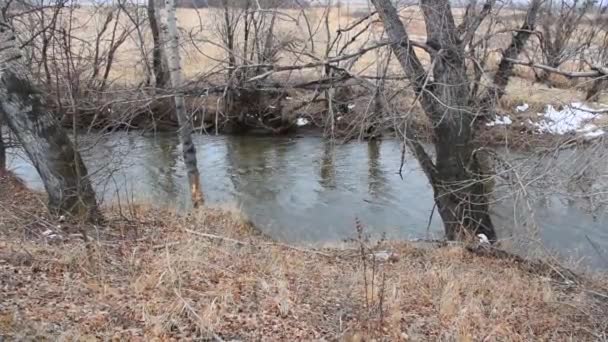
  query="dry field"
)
[
  {"x": 204, "y": 52},
  {"x": 151, "y": 276}
]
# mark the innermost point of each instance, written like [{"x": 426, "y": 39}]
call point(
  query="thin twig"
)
[{"x": 238, "y": 242}]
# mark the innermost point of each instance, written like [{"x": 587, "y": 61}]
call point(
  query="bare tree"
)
[
  {"x": 564, "y": 32},
  {"x": 185, "y": 124},
  {"x": 48, "y": 147},
  {"x": 457, "y": 173}
]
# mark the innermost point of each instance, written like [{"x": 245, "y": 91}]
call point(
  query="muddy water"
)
[{"x": 308, "y": 191}]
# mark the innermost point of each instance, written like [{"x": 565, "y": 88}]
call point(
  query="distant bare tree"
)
[{"x": 566, "y": 30}]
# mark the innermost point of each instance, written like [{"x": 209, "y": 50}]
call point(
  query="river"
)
[{"x": 308, "y": 191}]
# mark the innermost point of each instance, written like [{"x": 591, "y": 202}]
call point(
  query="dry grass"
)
[{"x": 151, "y": 278}]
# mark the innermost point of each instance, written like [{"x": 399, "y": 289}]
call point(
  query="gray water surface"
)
[{"x": 310, "y": 191}]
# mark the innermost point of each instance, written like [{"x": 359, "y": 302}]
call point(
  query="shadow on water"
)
[
  {"x": 310, "y": 191},
  {"x": 164, "y": 153}
]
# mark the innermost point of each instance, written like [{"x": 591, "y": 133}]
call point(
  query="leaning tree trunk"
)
[
  {"x": 518, "y": 42},
  {"x": 159, "y": 62},
  {"x": 455, "y": 175},
  {"x": 185, "y": 125},
  {"x": 46, "y": 144},
  {"x": 2, "y": 150}
]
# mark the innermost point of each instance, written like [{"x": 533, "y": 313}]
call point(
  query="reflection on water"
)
[
  {"x": 327, "y": 170},
  {"x": 306, "y": 190}
]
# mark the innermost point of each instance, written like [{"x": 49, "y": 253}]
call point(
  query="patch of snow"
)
[
  {"x": 384, "y": 256},
  {"x": 574, "y": 118},
  {"x": 500, "y": 120},
  {"x": 522, "y": 108},
  {"x": 302, "y": 122},
  {"x": 594, "y": 134},
  {"x": 351, "y": 106},
  {"x": 483, "y": 239},
  {"x": 51, "y": 235},
  {"x": 288, "y": 98},
  {"x": 588, "y": 128}
]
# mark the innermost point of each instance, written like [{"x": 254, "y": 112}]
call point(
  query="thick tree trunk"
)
[
  {"x": 185, "y": 125},
  {"x": 544, "y": 76},
  {"x": 594, "y": 92},
  {"x": 46, "y": 144},
  {"x": 2, "y": 149},
  {"x": 461, "y": 198},
  {"x": 159, "y": 61},
  {"x": 456, "y": 175},
  {"x": 505, "y": 68}
]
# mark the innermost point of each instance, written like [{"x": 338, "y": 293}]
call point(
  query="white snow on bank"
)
[
  {"x": 302, "y": 122},
  {"x": 594, "y": 134},
  {"x": 591, "y": 131},
  {"x": 575, "y": 118},
  {"x": 524, "y": 107},
  {"x": 500, "y": 120}
]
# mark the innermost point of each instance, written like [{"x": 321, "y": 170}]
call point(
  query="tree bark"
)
[
  {"x": 594, "y": 92},
  {"x": 48, "y": 147},
  {"x": 185, "y": 125},
  {"x": 2, "y": 149},
  {"x": 159, "y": 61},
  {"x": 455, "y": 175},
  {"x": 505, "y": 68}
]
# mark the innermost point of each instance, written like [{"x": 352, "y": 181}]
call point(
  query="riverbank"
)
[
  {"x": 148, "y": 275},
  {"x": 530, "y": 116}
]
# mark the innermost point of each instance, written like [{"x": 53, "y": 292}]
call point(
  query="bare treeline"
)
[
  {"x": 426, "y": 72},
  {"x": 242, "y": 3}
]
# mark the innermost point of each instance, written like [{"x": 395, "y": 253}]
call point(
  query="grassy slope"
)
[{"x": 150, "y": 278}]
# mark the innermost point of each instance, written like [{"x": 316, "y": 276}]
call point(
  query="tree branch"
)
[
  {"x": 470, "y": 23},
  {"x": 598, "y": 71},
  {"x": 278, "y": 68}
]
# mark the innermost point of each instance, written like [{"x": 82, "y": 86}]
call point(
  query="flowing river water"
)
[{"x": 309, "y": 191}]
